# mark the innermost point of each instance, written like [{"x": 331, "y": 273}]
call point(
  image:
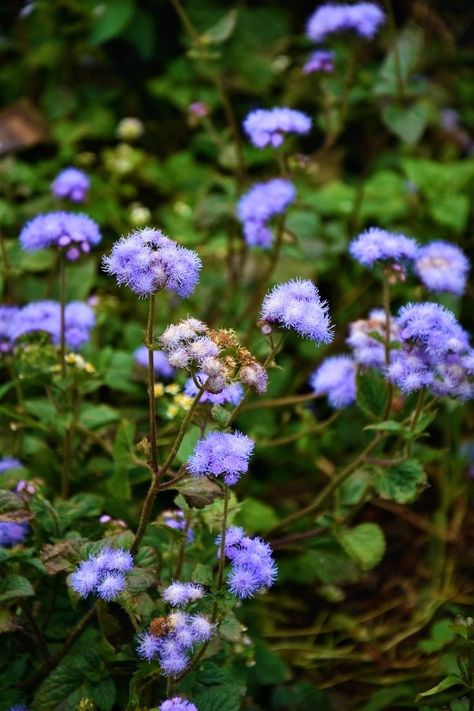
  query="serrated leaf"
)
[
  {"x": 401, "y": 483},
  {"x": 446, "y": 683},
  {"x": 199, "y": 491},
  {"x": 202, "y": 574},
  {"x": 14, "y": 586},
  {"x": 364, "y": 543},
  {"x": 372, "y": 394},
  {"x": 227, "y": 697}
]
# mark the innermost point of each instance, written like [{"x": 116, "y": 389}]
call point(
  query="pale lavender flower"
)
[
  {"x": 268, "y": 127},
  {"x": 147, "y": 261},
  {"x": 178, "y": 594},
  {"x": 161, "y": 364},
  {"x": 367, "y": 338},
  {"x": 377, "y": 245},
  {"x": 148, "y": 646},
  {"x": 362, "y": 18},
  {"x": 85, "y": 578},
  {"x": 45, "y": 316},
  {"x": 175, "y": 519},
  {"x": 336, "y": 378},
  {"x": 252, "y": 564},
  {"x": 8, "y": 463},
  {"x": 177, "y": 703},
  {"x": 432, "y": 326},
  {"x": 296, "y": 305},
  {"x": 12, "y": 533},
  {"x": 232, "y": 393},
  {"x": 110, "y": 586},
  {"x": 73, "y": 233},
  {"x": 442, "y": 267},
  {"x": 71, "y": 183},
  {"x": 259, "y": 205},
  {"x": 103, "y": 573},
  {"x": 221, "y": 453},
  {"x": 321, "y": 60}
]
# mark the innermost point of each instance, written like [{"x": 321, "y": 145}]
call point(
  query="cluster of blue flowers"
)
[
  {"x": 268, "y": 127},
  {"x": 362, "y": 18},
  {"x": 12, "y": 533},
  {"x": 103, "y": 573},
  {"x": 377, "y": 245},
  {"x": 321, "y": 60},
  {"x": 9, "y": 463},
  {"x": 335, "y": 378},
  {"x": 252, "y": 565},
  {"x": 221, "y": 453},
  {"x": 257, "y": 207},
  {"x": 296, "y": 305},
  {"x": 74, "y": 234},
  {"x": 175, "y": 519},
  {"x": 147, "y": 261},
  {"x": 177, "y": 703},
  {"x": 161, "y": 364},
  {"x": 71, "y": 183},
  {"x": 183, "y": 631},
  {"x": 45, "y": 316}
]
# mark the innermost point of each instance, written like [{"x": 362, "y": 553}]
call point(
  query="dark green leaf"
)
[
  {"x": 14, "y": 586},
  {"x": 446, "y": 683},
  {"x": 401, "y": 483},
  {"x": 110, "y": 18},
  {"x": 372, "y": 394},
  {"x": 364, "y": 543}
]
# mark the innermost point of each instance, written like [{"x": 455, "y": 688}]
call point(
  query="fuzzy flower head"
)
[
  {"x": 442, "y": 267},
  {"x": 362, "y": 18},
  {"x": 7, "y": 316},
  {"x": 320, "y": 61},
  {"x": 9, "y": 463},
  {"x": 377, "y": 245},
  {"x": 268, "y": 127},
  {"x": 296, "y": 305},
  {"x": 336, "y": 379},
  {"x": 259, "y": 205},
  {"x": 221, "y": 453},
  {"x": 367, "y": 338},
  {"x": 45, "y": 316},
  {"x": 177, "y": 703},
  {"x": 252, "y": 564},
  {"x": 180, "y": 594},
  {"x": 71, "y": 183},
  {"x": 147, "y": 261},
  {"x": 72, "y": 233},
  {"x": 12, "y": 533},
  {"x": 161, "y": 364},
  {"x": 176, "y": 519},
  {"x": 102, "y": 574}
]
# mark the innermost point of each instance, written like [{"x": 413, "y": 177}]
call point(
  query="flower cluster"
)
[
  {"x": 377, "y": 245},
  {"x": 180, "y": 594},
  {"x": 71, "y": 183},
  {"x": 252, "y": 564},
  {"x": 171, "y": 640},
  {"x": 362, "y": 18},
  {"x": 177, "y": 703},
  {"x": 435, "y": 353},
  {"x": 336, "y": 379},
  {"x": 321, "y": 60},
  {"x": 367, "y": 338},
  {"x": 161, "y": 364},
  {"x": 12, "y": 533},
  {"x": 267, "y": 127},
  {"x": 259, "y": 204},
  {"x": 9, "y": 463},
  {"x": 45, "y": 316},
  {"x": 175, "y": 519},
  {"x": 147, "y": 261},
  {"x": 19, "y": 707},
  {"x": 7, "y": 316},
  {"x": 72, "y": 233},
  {"x": 221, "y": 453},
  {"x": 296, "y": 305},
  {"x": 103, "y": 573},
  {"x": 442, "y": 267}
]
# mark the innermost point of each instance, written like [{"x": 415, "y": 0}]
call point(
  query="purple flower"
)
[
  {"x": 8, "y": 463},
  {"x": 174, "y": 663},
  {"x": 254, "y": 376},
  {"x": 148, "y": 646},
  {"x": 147, "y": 261},
  {"x": 335, "y": 378},
  {"x": 259, "y": 204},
  {"x": 7, "y": 316},
  {"x": 363, "y": 18},
  {"x": 442, "y": 267},
  {"x": 178, "y": 594},
  {"x": 296, "y": 305},
  {"x": 177, "y": 703},
  {"x": 201, "y": 629},
  {"x": 71, "y": 183},
  {"x": 367, "y": 338},
  {"x": 46, "y": 316},
  {"x": 221, "y": 453},
  {"x": 110, "y": 586},
  {"x": 71, "y": 232},
  {"x": 253, "y": 567},
  {"x": 233, "y": 538},
  {"x": 175, "y": 519},
  {"x": 376, "y": 245},
  {"x": 103, "y": 573},
  {"x": 432, "y": 326},
  {"x": 85, "y": 578},
  {"x": 232, "y": 393},
  {"x": 322, "y": 60},
  {"x": 161, "y": 364},
  {"x": 19, "y": 707},
  {"x": 267, "y": 127},
  {"x": 12, "y": 533}
]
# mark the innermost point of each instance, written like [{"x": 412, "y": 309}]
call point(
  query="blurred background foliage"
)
[{"x": 393, "y": 146}]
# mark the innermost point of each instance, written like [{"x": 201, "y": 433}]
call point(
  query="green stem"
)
[
  {"x": 416, "y": 416},
  {"x": 62, "y": 323},
  {"x": 387, "y": 341},
  {"x": 396, "y": 53},
  {"x": 151, "y": 386}
]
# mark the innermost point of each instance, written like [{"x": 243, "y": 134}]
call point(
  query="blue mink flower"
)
[
  {"x": 221, "y": 453},
  {"x": 175, "y": 519},
  {"x": 232, "y": 393},
  {"x": 161, "y": 364},
  {"x": 257, "y": 207},
  {"x": 8, "y": 463},
  {"x": 19, "y": 707},
  {"x": 71, "y": 183},
  {"x": 73, "y": 233},
  {"x": 322, "y": 60},
  {"x": 362, "y": 18},
  {"x": 12, "y": 533},
  {"x": 103, "y": 573},
  {"x": 177, "y": 703},
  {"x": 252, "y": 564},
  {"x": 296, "y": 305},
  {"x": 377, "y": 245},
  {"x": 367, "y": 338},
  {"x": 267, "y": 127},
  {"x": 335, "y": 378},
  {"x": 442, "y": 267},
  {"x": 46, "y": 316},
  {"x": 147, "y": 261},
  {"x": 7, "y": 316},
  {"x": 178, "y": 594}
]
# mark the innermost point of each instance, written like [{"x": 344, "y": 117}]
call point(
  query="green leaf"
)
[
  {"x": 401, "y": 61},
  {"x": 122, "y": 452},
  {"x": 364, "y": 543},
  {"x": 199, "y": 491},
  {"x": 110, "y": 18},
  {"x": 451, "y": 211},
  {"x": 269, "y": 668},
  {"x": 202, "y": 574},
  {"x": 401, "y": 483},
  {"x": 407, "y": 122},
  {"x": 256, "y": 517},
  {"x": 15, "y": 586},
  {"x": 188, "y": 444},
  {"x": 226, "y": 697},
  {"x": 372, "y": 394},
  {"x": 446, "y": 683},
  {"x": 221, "y": 30},
  {"x": 95, "y": 416},
  {"x": 441, "y": 634},
  {"x": 387, "y": 426}
]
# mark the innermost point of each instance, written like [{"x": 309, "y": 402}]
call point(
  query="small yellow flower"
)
[
  {"x": 183, "y": 401},
  {"x": 159, "y": 389},
  {"x": 89, "y": 368},
  {"x": 172, "y": 389},
  {"x": 172, "y": 411}
]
